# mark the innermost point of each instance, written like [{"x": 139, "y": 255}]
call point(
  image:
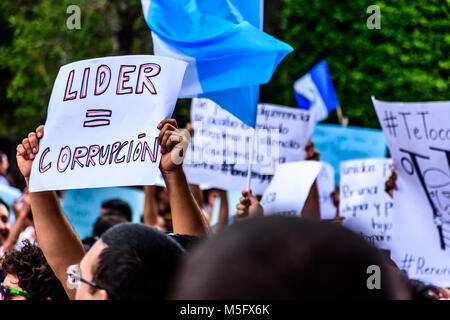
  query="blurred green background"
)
[{"x": 406, "y": 60}]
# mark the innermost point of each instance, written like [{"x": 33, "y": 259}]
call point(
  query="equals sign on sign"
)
[{"x": 97, "y": 113}]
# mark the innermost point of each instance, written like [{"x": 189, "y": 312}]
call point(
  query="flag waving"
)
[
  {"x": 314, "y": 91},
  {"x": 228, "y": 55}
]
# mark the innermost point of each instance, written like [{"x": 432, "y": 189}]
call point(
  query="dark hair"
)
[
  {"x": 33, "y": 272},
  {"x": 118, "y": 207},
  {"x": 421, "y": 291},
  {"x": 280, "y": 257},
  {"x": 188, "y": 242},
  {"x": 105, "y": 222},
  {"x": 138, "y": 263}
]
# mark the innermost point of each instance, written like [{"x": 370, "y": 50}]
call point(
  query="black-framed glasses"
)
[
  {"x": 5, "y": 292},
  {"x": 74, "y": 279}
]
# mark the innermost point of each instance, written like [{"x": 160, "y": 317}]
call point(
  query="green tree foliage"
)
[
  {"x": 36, "y": 43},
  {"x": 406, "y": 60}
]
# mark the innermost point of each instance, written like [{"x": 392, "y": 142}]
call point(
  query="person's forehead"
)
[{"x": 90, "y": 259}]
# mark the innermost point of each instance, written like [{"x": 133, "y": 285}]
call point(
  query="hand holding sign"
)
[
  {"x": 101, "y": 128},
  {"x": 27, "y": 150}
]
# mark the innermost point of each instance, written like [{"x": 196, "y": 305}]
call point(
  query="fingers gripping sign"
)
[{"x": 174, "y": 143}]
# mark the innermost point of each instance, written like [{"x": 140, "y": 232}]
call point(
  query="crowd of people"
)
[{"x": 175, "y": 253}]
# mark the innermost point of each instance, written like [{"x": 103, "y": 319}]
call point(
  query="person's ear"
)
[{"x": 101, "y": 294}]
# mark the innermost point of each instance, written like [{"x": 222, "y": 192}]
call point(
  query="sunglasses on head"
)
[{"x": 5, "y": 292}]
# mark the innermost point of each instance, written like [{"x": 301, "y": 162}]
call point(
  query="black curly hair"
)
[{"x": 33, "y": 272}]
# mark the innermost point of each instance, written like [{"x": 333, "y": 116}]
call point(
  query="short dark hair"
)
[
  {"x": 33, "y": 272},
  {"x": 118, "y": 207},
  {"x": 138, "y": 263},
  {"x": 105, "y": 222},
  {"x": 280, "y": 257}
]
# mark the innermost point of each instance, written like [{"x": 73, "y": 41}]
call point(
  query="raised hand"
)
[
  {"x": 27, "y": 150},
  {"x": 174, "y": 143},
  {"x": 248, "y": 206}
]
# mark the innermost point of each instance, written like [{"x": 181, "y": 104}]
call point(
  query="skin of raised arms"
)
[
  {"x": 187, "y": 217},
  {"x": 59, "y": 242}
]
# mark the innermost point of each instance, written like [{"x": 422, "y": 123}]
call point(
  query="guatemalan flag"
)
[
  {"x": 228, "y": 55},
  {"x": 314, "y": 91}
]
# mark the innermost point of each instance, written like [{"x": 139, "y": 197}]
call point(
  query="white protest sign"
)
[
  {"x": 418, "y": 137},
  {"x": 325, "y": 186},
  {"x": 366, "y": 206},
  {"x": 289, "y": 189},
  {"x": 221, "y": 144},
  {"x": 101, "y": 128}
]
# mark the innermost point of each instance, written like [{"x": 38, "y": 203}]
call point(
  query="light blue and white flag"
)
[
  {"x": 314, "y": 91},
  {"x": 228, "y": 55}
]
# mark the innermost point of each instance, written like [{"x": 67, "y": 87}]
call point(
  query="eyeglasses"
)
[
  {"x": 74, "y": 279},
  {"x": 6, "y": 291}
]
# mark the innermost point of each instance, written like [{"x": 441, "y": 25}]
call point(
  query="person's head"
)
[
  {"x": 116, "y": 207},
  {"x": 129, "y": 262},
  {"x": 4, "y": 163},
  {"x": 30, "y": 276},
  {"x": 279, "y": 257},
  {"x": 106, "y": 221},
  {"x": 4, "y": 221}
]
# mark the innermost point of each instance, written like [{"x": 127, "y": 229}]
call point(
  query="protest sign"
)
[
  {"x": 82, "y": 206},
  {"x": 325, "y": 186},
  {"x": 418, "y": 136},
  {"x": 363, "y": 201},
  {"x": 221, "y": 144},
  {"x": 287, "y": 193},
  {"x": 337, "y": 143},
  {"x": 101, "y": 128}
]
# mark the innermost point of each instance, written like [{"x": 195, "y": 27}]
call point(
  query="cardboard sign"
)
[
  {"x": 418, "y": 136},
  {"x": 101, "y": 128},
  {"x": 337, "y": 143},
  {"x": 221, "y": 144},
  {"x": 367, "y": 208},
  {"x": 287, "y": 193}
]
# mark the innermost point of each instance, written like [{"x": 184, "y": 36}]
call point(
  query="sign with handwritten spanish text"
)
[
  {"x": 418, "y": 137},
  {"x": 101, "y": 128},
  {"x": 290, "y": 187},
  {"x": 221, "y": 144},
  {"x": 367, "y": 208}
]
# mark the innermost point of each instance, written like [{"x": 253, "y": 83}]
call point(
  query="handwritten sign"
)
[
  {"x": 221, "y": 144},
  {"x": 287, "y": 193},
  {"x": 418, "y": 136},
  {"x": 325, "y": 186},
  {"x": 101, "y": 123},
  {"x": 337, "y": 143},
  {"x": 367, "y": 208}
]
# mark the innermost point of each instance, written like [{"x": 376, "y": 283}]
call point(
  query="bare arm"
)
[
  {"x": 223, "y": 211},
  {"x": 187, "y": 217},
  {"x": 58, "y": 241},
  {"x": 150, "y": 215}
]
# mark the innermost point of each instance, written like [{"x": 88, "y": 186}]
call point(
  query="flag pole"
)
[
  {"x": 250, "y": 163},
  {"x": 252, "y": 143},
  {"x": 342, "y": 120}
]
